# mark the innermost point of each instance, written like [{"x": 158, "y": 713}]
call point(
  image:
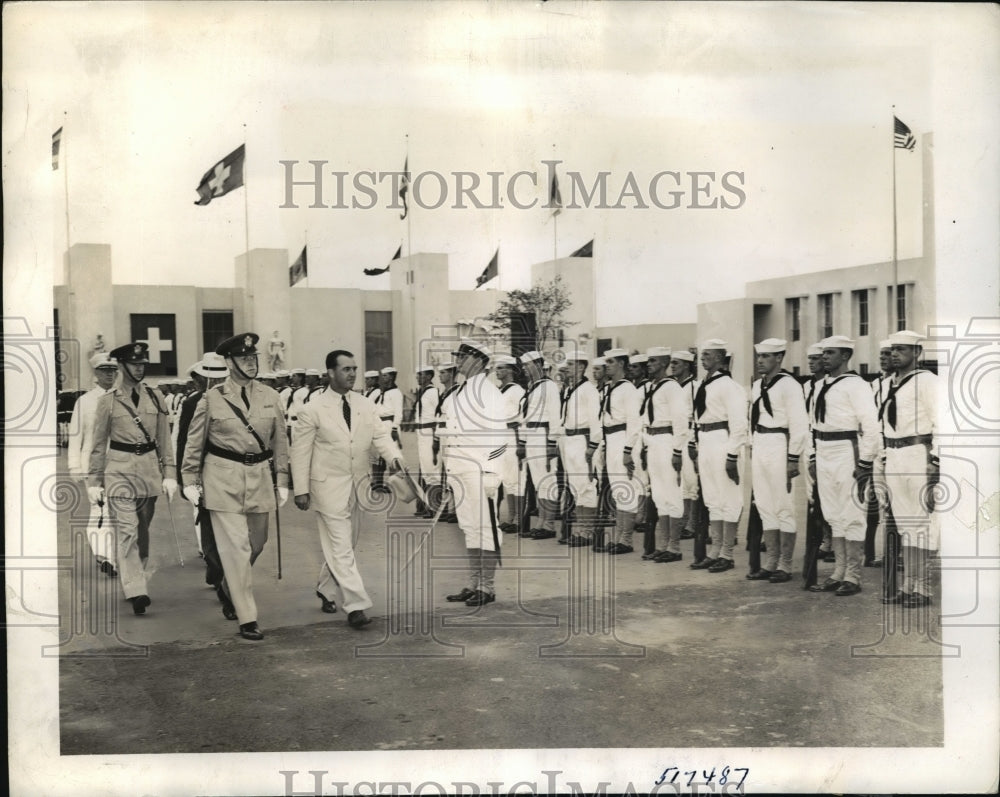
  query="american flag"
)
[{"x": 904, "y": 138}]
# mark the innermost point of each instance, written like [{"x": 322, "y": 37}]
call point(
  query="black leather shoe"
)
[
  {"x": 542, "y": 534},
  {"x": 526, "y": 533},
  {"x": 651, "y": 557},
  {"x": 780, "y": 577},
  {"x": 916, "y": 600},
  {"x": 668, "y": 556},
  {"x": 577, "y": 542},
  {"x": 358, "y": 619},
  {"x": 847, "y": 588},
  {"x": 229, "y": 611},
  {"x": 759, "y": 575},
  {"x": 139, "y": 603},
  {"x": 704, "y": 564},
  {"x": 510, "y": 528},
  {"x": 899, "y": 597},
  {"x": 251, "y": 631},
  {"x": 462, "y": 596},
  {"x": 829, "y": 556},
  {"x": 687, "y": 535},
  {"x": 827, "y": 586},
  {"x": 328, "y": 606},
  {"x": 480, "y": 598},
  {"x": 721, "y": 565}
]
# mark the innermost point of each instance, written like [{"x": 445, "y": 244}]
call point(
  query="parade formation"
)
[{"x": 623, "y": 454}]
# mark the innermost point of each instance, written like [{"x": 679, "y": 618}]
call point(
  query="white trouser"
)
[
  {"x": 240, "y": 539},
  {"x": 541, "y": 468},
  {"x": 624, "y": 491},
  {"x": 769, "y": 476},
  {"x": 429, "y": 472},
  {"x": 906, "y": 483},
  {"x": 689, "y": 479},
  {"x": 842, "y": 509},
  {"x": 573, "y": 450},
  {"x": 664, "y": 481},
  {"x": 340, "y": 568},
  {"x": 722, "y": 495},
  {"x": 510, "y": 472},
  {"x": 471, "y": 506}
]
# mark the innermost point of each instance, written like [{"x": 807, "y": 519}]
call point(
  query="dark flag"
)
[
  {"x": 903, "y": 136},
  {"x": 555, "y": 197},
  {"x": 223, "y": 177},
  {"x": 492, "y": 270},
  {"x": 405, "y": 186},
  {"x": 159, "y": 332},
  {"x": 299, "y": 269},
  {"x": 56, "y": 141},
  {"x": 374, "y": 272},
  {"x": 587, "y": 250}
]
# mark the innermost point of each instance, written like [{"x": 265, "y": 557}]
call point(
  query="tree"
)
[{"x": 548, "y": 301}]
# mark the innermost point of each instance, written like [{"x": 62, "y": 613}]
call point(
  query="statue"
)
[
  {"x": 99, "y": 344},
  {"x": 276, "y": 352}
]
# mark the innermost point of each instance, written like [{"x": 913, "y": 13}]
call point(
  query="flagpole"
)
[
  {"x": 246, "y": 226},
  {"x": 64, "y": 165},
  {"x": 305, "y": 248},
  {"x": 894, "y": 310},
  {"x": 409, "y": 216},
  {"x": 555, "y": 216}
]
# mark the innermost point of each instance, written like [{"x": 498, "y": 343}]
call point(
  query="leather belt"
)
[
  {"x": 430, "y": 425},
  {"x": 713, "y": 426},
  {"x": 235, "y": 456},
  {"x": 912, "y": 440},
  {"x": 581, "y": 430},
  {"x": 829, "y": 436},
  {"x": 660, "y": 430},
  {"x": 618, "y": 427},
  {"x": 771, "y": 429},
  {"x": 537, "y": 425},
  {"x": 386, "y": 417},
  {"x": 133, "y": 448}
]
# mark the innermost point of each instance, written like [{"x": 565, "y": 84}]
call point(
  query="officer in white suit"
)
[{"x": 329, "y": 458}]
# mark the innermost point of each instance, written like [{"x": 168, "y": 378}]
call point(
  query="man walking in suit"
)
[
  {"x": 131, "y": 463},
  {"x": 236, "y": 429},
  {"x": 330, "y": 456}
]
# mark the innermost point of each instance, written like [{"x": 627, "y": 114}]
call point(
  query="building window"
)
[
  {"x": 825, "y": 301},
  {"x": 378, "y": 339},
  {"x": 793, "y": 312},
  {"x": 216, "y": 326},
  {"x": 860, "y": 301},
  {"x": 901, "y": 308}
]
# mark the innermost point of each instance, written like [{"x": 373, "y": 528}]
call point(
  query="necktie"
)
[
  {"x": 762, "y": 398},
  {"x": 135, "y": 396},
  {"x": 243, "y": 393},
  {"x": 346, "y": 407},
  {"x": 888, "y": 408},
  {"x": 821, "y": 398},
  {"x": 701, "y": 397}
]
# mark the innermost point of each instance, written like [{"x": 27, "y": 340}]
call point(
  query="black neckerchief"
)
[
  {"x": 821, "y": 398},
  {"x": 701, "y": 396},
  {"x": 763, "y": 397}
]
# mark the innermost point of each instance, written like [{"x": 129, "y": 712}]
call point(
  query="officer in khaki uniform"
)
[
  {"x": 228, "y": 464},
  {"x": 131, "y": 464}
]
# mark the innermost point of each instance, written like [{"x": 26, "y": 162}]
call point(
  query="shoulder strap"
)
[
  {"x": 138, "y": 422},
  {"x": 243, "y": 419}
]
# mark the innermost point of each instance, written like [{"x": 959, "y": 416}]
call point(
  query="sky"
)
[{"x": 799, "y": 102}]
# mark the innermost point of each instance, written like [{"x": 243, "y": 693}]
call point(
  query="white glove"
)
[
  {"x": 95, "y": 494},
  {"x": 192, "y": 493},
  {"x": 170, "y": 488},
  {"x": 491, "y": 484},
  {"x": 282, "y": 495}
]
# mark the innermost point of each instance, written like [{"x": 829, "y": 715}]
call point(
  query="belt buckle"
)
[
  {"x": 138, "y": 449},
  {"x": 248, "y": 459}
]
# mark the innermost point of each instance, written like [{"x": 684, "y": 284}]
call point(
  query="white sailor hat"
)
[
  {"x": 388, "y": 370},
  {"x": 885, "y": 344},
  {"x": 473, "y": 348},
  {"x": 577, "y": 356},
  {"x": 266, "y": 375},
  {"x": 531, "y": 356},
  {"x": 425, "y": 369},
  {"x": 771, "y": 346},
  {"x": 370, "y": 374},
  {"x": 837, "y": 342},
  {"x": 300, "y": 371},
  {"x": 610, "y": 354},
  {"x": 102, "y": 360},
  {"x": 683, "y": 354},
  {"x": 905, "y": 337},
  {"x": 713, "y": 343},
  {"x": 283, "y": 372},
  {"x": 658, "y": 351},
  {"x": 504, "y": 359},
  {"x": 180, "y": 382},
  {"x": 312, "y": 372},
  {"x": 211, "y": 366},
  {"x": 638, "y": 359},
  {"x": 448, "y": 366},
  {"x": 815, "y": 349}
]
